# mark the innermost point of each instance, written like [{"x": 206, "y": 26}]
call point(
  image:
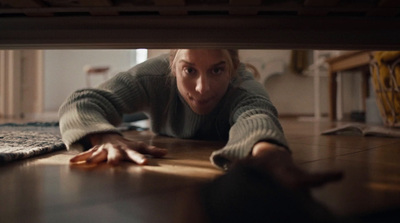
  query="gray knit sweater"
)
[{"x": 244, "y": 116}]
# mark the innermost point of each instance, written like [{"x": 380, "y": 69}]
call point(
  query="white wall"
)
[
  {"x": 63, "y": 71},
  {"x": 291, "y": 93}
]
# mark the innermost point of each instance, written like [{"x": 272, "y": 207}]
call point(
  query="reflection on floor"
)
[{"x": 47, "y": 188}]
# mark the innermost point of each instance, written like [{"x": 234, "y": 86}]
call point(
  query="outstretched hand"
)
[
  {"x": 277, "y": 162},
  {"x": 114, "y": 148}
]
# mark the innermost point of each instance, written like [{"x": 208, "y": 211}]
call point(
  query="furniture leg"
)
[{"x": 332, "y": 95}]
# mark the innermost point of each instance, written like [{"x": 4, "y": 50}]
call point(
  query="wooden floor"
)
[{"x": 49, "y": 189}]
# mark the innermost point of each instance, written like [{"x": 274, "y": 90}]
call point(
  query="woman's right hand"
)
[
  {"x": 278, "y": 162},
  {"x": 114, "y": 148}
]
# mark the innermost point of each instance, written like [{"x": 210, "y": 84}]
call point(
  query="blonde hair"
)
[{"x": 231, "y": 55}]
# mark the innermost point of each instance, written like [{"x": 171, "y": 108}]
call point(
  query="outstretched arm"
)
[{"x": 95, "y": 110}]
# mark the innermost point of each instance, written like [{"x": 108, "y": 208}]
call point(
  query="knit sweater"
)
[{"x": 244, "y": 116}]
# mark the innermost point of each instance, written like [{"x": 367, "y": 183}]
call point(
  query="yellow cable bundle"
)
[{"x": 385, "y": 70}]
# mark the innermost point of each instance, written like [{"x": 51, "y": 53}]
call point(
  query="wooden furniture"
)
[
  {"x": 353, "y": 60},
  {"x": 49, "y": 189},
  {"x": 165, "y": 24}
]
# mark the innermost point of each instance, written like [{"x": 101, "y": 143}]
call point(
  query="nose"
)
[{"x": 202, "y": 84}]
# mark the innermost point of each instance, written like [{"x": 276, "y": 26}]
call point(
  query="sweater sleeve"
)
[
  {"x": 254, "y": 119},
  {"x": 98, "y": 110}
]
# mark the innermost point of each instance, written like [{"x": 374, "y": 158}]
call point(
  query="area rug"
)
[{"x": 21, "y": 141}]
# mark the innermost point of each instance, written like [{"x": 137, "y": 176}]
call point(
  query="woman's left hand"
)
[{"x": 278, "y": 162}]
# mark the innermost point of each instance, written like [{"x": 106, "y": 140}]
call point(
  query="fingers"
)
[
  {"x": 115, "y": 156},
  {"x": 136, "y": 157},
  {"x": 115, "y": 152},
  {"x": 136, "y": 152},
  {"x": 98, "y": 156},
  {"x": 83, "y": 156},
  {"x": 143, "y": 148},
  {"x": 95, "y": 155},
  {"x": 156, "y": 152}
]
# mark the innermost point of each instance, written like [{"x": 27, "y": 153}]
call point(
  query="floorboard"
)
[{"x": 47, "y": 188}]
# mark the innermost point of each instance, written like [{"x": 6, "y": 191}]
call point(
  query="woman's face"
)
[{"x": 202, "y": 78}]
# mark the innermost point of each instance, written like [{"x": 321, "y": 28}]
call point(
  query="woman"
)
[{"x": 202, "y": 94}]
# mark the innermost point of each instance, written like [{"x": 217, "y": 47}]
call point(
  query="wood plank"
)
[
  {"x": 245, "y": 2},
  {"x": 363, "y": 190},
  {"x": 169, "y": 2},
  {"x": 311, "y": 11},
  {"x": 21, "y": 3},
  {"x": 321, "y": 3},
  {"x": 317, "y": 7},
  {"x": 238, "y": 7},
  {"x": 103, "y": 12},
  {"x": 102, "y": 7},
  {"x": 94, "y": 7},
  {"x": 384, "y": 11},
  {"x": 78, "y": 3},
  {"x": 166, "y": 5},
  {"x": 349, "y": 60},
  {"x": 389, "y": 3},
  {"x": 98, "y": 3},
  {"x": 253, "y": 32}
]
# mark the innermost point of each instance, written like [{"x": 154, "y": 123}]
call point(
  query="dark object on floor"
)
[{"x": 245, "y": 194}]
